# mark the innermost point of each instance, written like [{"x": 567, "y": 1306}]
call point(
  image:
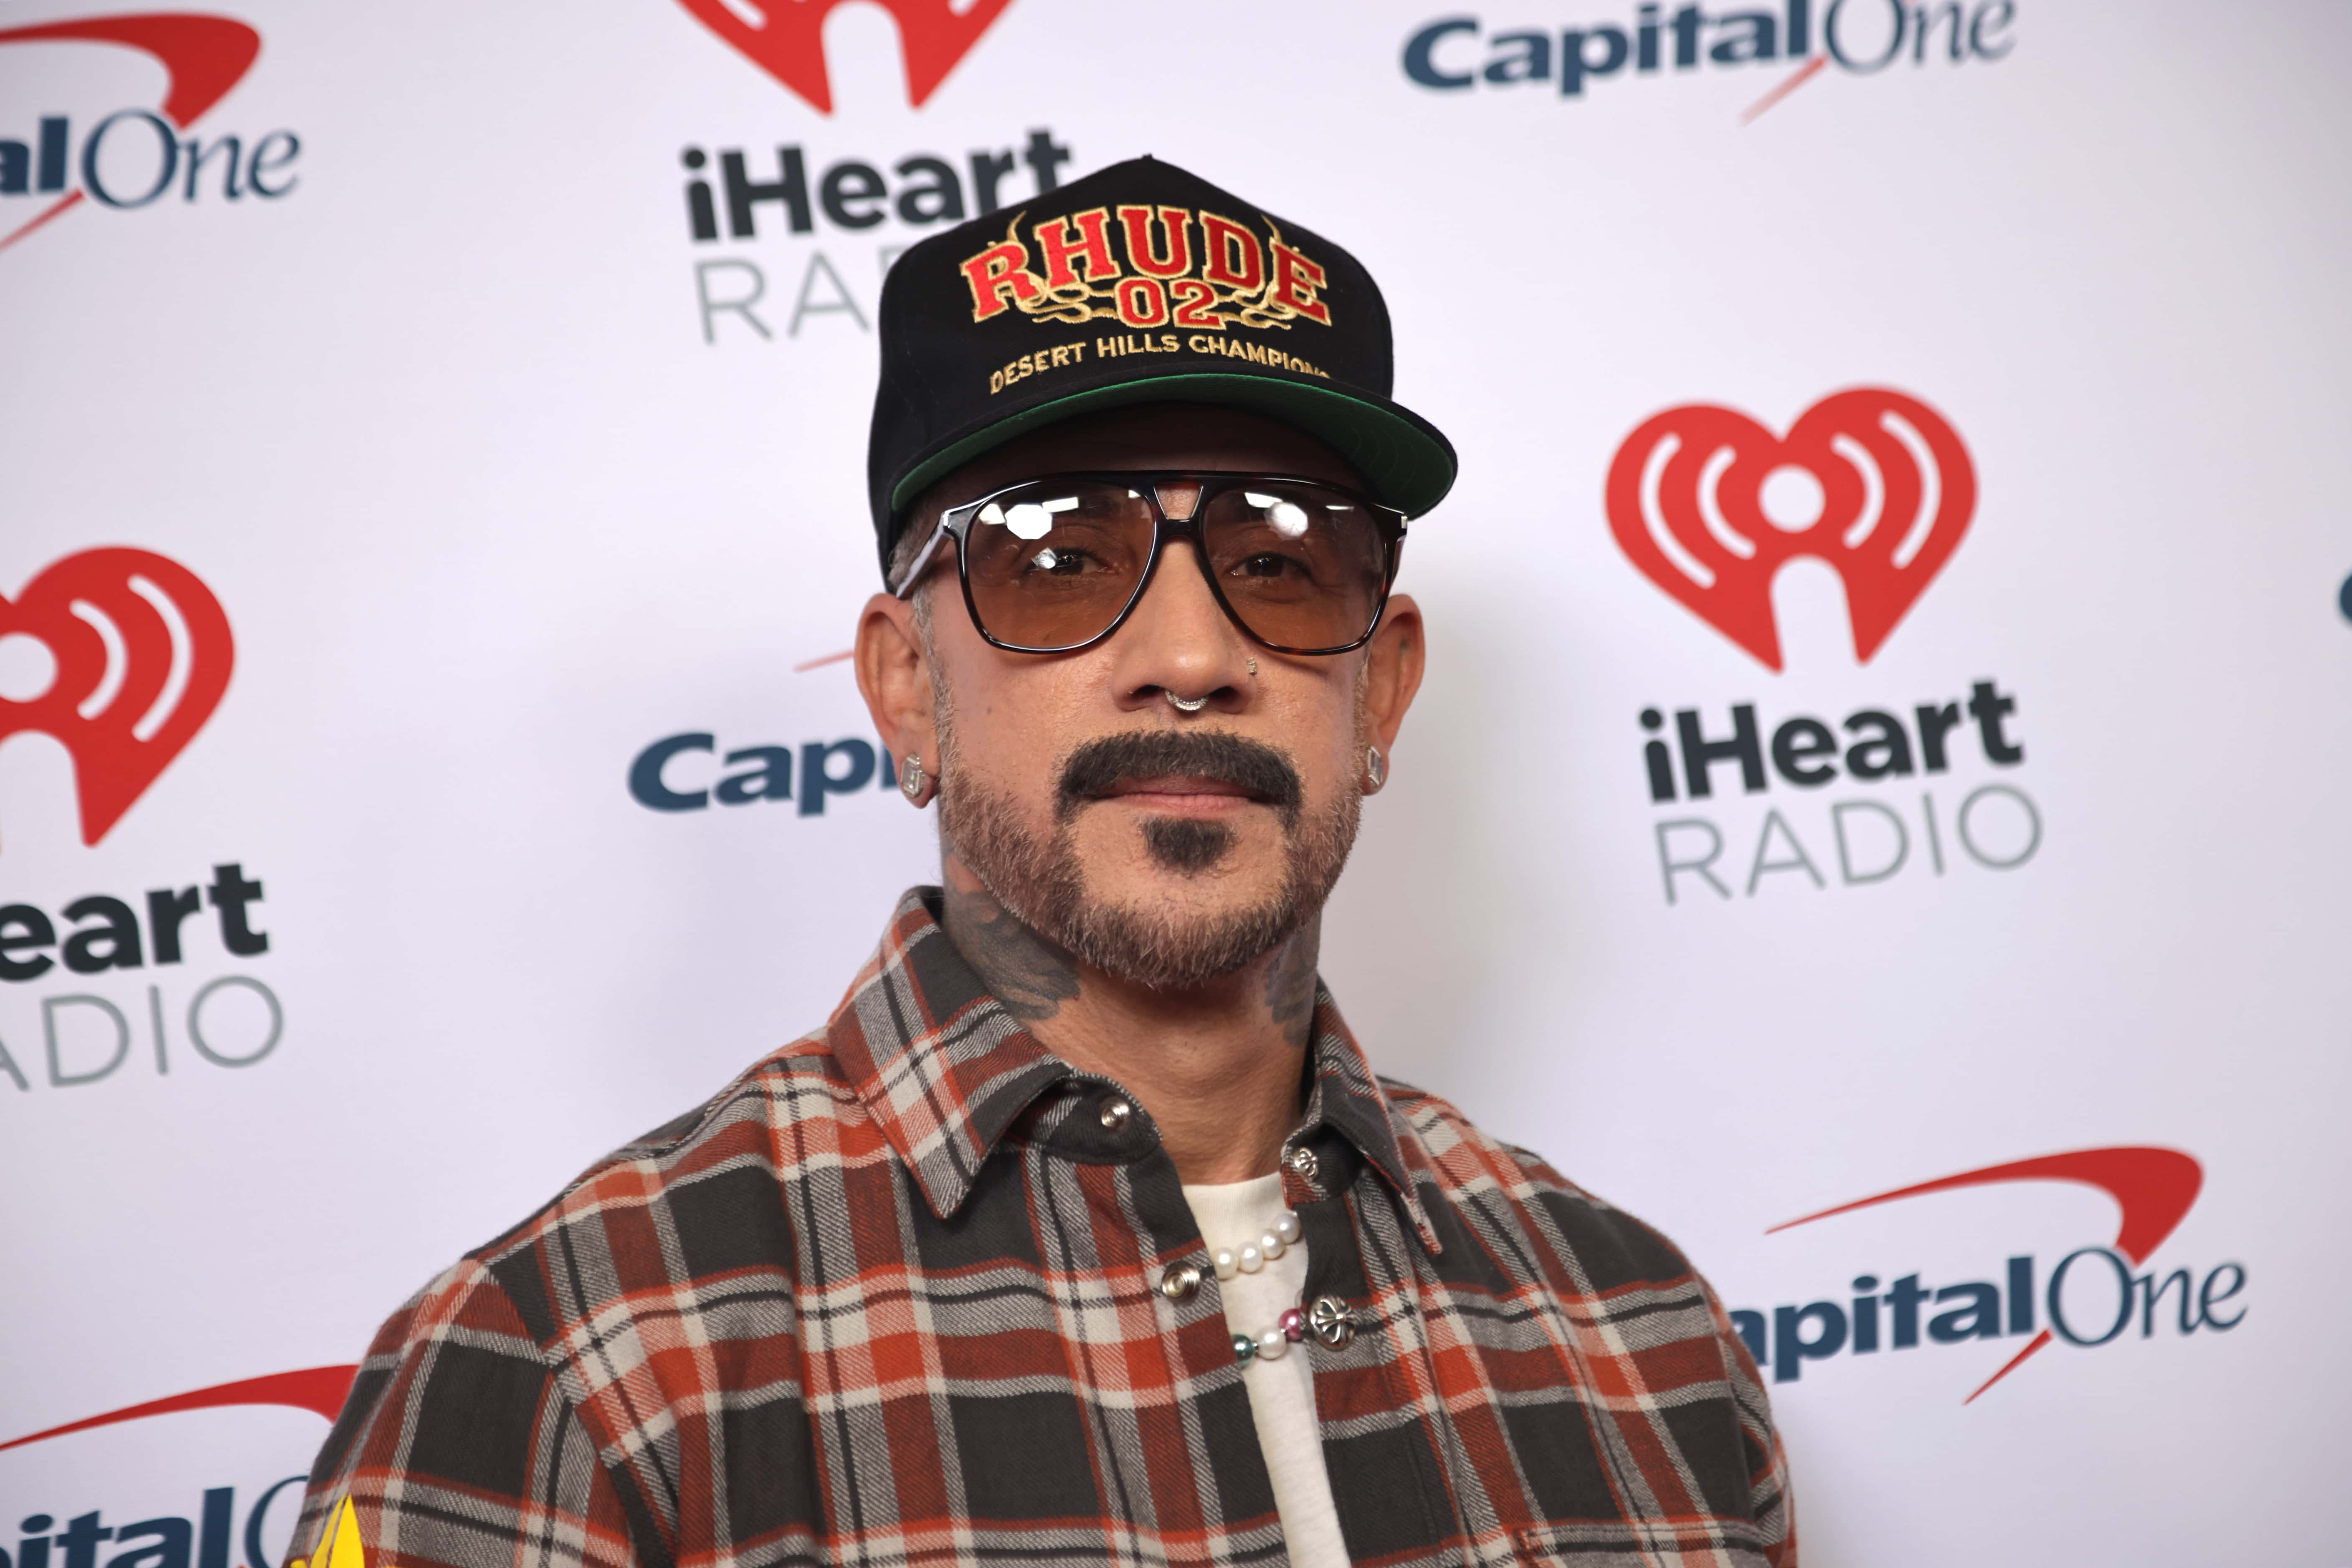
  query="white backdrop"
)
[{"x": 495, "y": 493}]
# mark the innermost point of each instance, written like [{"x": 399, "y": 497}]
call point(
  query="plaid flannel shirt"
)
[{"x": 894, "y": 1297}]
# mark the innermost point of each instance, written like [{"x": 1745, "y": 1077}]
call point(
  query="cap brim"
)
[{"x": 1403, "y": 458}]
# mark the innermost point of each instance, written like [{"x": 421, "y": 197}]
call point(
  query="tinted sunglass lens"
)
[
  {"x": 1303, "y": 566},
  {"x": 1052, "y": 565}
]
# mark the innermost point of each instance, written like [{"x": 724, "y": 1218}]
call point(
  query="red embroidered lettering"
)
[
  {"x": 998, "y": 276},
  {"x": 1176, "y": 227},
  {"x": 1232, "y": 256},
  {"x": 1195, "y": 304},
  {"x": 1090, "y": 248},
  {"x": 1296, "y": 278},
  {"x": 1141, "y": 302}
]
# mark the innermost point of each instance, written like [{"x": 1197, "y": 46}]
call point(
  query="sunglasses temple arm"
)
[{"x": 922, "y": 561}]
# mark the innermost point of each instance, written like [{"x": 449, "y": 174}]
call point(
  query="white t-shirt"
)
[{"x": 1281, "y": 1391}]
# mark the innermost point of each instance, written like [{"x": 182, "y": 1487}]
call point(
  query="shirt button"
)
[
  {"x": 1182, "y": 1282},
  {"x": 1116, "y": 1114},
  {"x": 1331, "y": 1322},
  {"x": 1304, "y": 1165}
]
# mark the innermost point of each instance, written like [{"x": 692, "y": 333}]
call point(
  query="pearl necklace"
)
[{"x": 1273, "y": 1344}]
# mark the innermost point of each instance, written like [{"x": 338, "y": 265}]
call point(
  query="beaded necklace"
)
[{"x": 1273, "y": 1344}]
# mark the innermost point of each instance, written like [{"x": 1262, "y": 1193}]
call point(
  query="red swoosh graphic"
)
[
  {"x": 2153, "y": 1187},
  {"x": 1790, "y": 84},
  {"x": 319, "y": 1389},
  {"x": 202, "y": 58}
]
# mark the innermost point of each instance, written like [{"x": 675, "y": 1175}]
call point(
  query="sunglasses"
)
[{"x": 1056, "y": 564}]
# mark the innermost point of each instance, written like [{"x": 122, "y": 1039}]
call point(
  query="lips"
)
[{"x": 1182, "y": 788}]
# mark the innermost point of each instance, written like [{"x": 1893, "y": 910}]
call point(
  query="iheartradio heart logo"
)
[
  {"x": 786, "y": 38},
  {"x": 1709, "y": 504},
  {"x": 131, "y": 654}
]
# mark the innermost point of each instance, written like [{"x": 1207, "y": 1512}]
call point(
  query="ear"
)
[
  {"x": 1393, "y": 658},
  {"x": 894, "y": 675}
]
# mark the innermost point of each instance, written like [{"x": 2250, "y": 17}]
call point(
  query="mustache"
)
[{"x": 1095, "y": 767}]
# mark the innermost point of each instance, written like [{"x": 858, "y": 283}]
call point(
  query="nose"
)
[{"x": 1179, "y": 641}]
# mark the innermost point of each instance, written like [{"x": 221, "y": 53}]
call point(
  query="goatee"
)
[{"x": 1042, "y": 883}]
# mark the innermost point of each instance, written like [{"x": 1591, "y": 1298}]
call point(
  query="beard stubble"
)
[{"x": 1041, "y": 879}]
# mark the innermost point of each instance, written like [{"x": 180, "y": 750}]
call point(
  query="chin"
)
[
  {"x": 1147, "y": 890},
  {"x": 1174, "y": 934},
  {"x": 1163, "y": 900}
]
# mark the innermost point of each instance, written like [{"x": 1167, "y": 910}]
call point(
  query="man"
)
[{"x": 1083, "y": 1232}]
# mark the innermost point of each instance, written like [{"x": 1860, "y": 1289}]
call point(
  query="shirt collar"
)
[
  {"x": 1345, "y": 1095},
  {"x": 937, "y": 1062},
  {"x": 944, "y": 1070}
]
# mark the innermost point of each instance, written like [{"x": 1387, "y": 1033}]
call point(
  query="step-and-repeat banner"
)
[{"x": 1877, "y": 809}]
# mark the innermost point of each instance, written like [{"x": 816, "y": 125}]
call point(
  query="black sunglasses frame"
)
[{"x": 957, "y": 521}]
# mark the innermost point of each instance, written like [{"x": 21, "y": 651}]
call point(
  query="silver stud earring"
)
[
  {"x": 911, "y": 778},
  {"x": 1375, "y": 769}
]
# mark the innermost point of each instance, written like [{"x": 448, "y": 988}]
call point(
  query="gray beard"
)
[{"x": 1042, "y": 883}]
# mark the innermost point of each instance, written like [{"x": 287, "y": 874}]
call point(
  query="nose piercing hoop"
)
[{"x": 1184, "y": 704}]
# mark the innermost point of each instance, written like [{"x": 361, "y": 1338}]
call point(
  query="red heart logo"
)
[
  {"x": 1891, "y": 491},
  {"x": 786, "y": 38},
  {"x": 142, "y": 654}
]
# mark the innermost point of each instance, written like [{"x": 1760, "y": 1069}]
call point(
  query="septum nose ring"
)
[{"x": 1184, "y": 704}]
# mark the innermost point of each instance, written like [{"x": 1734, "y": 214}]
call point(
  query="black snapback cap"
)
[{"x": 1138, "y": 283}]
